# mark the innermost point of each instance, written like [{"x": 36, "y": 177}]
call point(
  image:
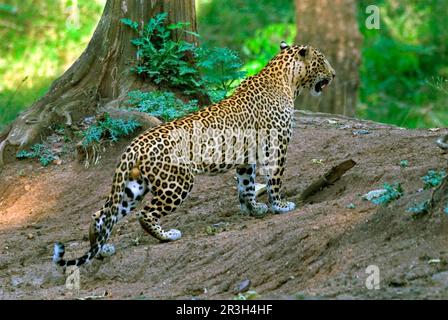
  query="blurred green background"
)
[{"x": 404, "y": 63}]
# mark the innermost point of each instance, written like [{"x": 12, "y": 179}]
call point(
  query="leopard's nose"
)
[{"x": 333, "y": 75}]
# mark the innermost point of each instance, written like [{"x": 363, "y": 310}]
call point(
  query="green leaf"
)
[{"x": 130, "y": 23}]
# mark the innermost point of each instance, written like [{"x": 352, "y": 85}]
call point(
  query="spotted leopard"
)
[{"x": 250, "y": 128}]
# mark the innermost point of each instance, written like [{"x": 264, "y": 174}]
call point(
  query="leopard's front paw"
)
[{"x": 282, "y": 206}]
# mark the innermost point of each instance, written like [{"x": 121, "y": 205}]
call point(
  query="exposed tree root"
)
[
  {"x": 91, "y": 155},
  {"x": 330, "y": 177}
]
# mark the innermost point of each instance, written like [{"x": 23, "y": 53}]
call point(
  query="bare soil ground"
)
[{"x": 320, "y": 250}]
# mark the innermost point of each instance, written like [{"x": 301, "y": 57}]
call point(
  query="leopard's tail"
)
[
  {"x": 59, "y": 251},
  {"x": 104, "y": 233}
]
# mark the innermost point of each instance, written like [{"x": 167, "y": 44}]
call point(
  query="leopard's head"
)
[{"x": 309, "y": 69}]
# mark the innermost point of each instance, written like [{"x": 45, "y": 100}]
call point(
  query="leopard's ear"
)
[
  {"x": 303, "y": 52},
  {"x": 283, "y": 45}
]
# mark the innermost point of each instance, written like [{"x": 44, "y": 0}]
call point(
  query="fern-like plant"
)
[
  {"x": 108, "y": 128},
  {"x": 433, "y": 178},
  {"x": 38, "y": 151},
  {"x": 211, "y": 71},
  {"x": 160, "y": 58},
  {"x": 220, "y": 69},
  {"x": 164, "y": 105}
]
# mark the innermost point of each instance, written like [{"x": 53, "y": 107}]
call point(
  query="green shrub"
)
[
  {"x": 211, "y": 71},
  {"x": 38, "y": 151},
  {"x": 394, "y": 86},
  {"x": 108, "y": 128},
  {"x": 160, "y": 58},
  {"x": 420, "y": 208},
  {"x": 404, "y": 163},
  {"x": 391, "y": 193},
  {"x": 265, "y": 44},
  {"x": 220, "y": 70},
  {"x": 161, "y": 104},
  {"x": 433, "y": 178}
]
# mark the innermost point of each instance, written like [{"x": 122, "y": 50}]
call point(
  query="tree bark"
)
[
  {"x": 100, "y": 77},
  {"x": 331, "y": 26}
]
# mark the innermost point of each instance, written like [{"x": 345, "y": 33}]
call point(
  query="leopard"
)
[{"x": 249, "y": 131}]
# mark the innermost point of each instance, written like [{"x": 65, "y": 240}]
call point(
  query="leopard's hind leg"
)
[
  {"x": 168, "y": 194},
  {"x": 135, "y": 190}
]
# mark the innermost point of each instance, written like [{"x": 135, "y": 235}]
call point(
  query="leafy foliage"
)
[
  {"x": 40, "y": 39},
  {"x": 433, "y": 178},
  {"x": 404, "y": 163},
  {"x": 392, "y": 192},
  {"x": 37, "y": 151},
  {"x": 220, "y": 70},
  {"x": 183, "y": 64},
  {"x": 399, "y": 60},
  {"x": 108, "y": 128},
  {"x": 249, "y": 295},
  {"x": 234, "y": 22},
  {"x": 160, "y": 58},
  {"x": 161, "y": 104},
  {"x": 420, "y": 208},
  {"x": 265, "y": 44}
]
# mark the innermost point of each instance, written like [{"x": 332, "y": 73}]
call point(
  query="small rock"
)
[
  {"x": 243, "y": 286},
  {"x": 219, "y": 225},
  {"x": 360, "y": 132},
  {"x": 27, "y": 187},
  {"x": 351, "y": 206},
  {"x": 441, "y": 278},
  {"x": 30, "y": 236},
  {"x": 374, "y": 194}
]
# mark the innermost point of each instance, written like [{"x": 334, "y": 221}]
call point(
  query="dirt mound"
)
[{"x": 322, "y": 249}]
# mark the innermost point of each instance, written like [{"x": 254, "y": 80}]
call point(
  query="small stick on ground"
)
[{"x": 333, "y": 175}]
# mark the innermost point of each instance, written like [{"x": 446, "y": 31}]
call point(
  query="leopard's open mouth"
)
[{"x": 321, "y": 84}]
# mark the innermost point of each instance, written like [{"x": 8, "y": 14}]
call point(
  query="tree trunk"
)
[
  {"x": 100, "y": 77},
  {"x": 331, "y": 26}
]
